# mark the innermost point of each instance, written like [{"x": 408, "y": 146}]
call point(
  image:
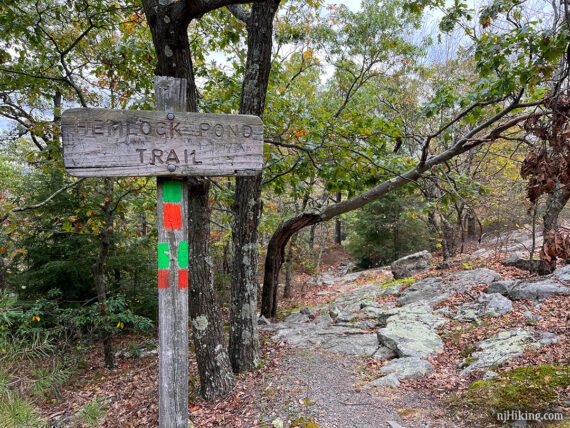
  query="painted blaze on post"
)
[{"x": 119, "y": 143}]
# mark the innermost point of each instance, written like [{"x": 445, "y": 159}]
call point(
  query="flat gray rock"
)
[
  {"x": 390, "y": 381},
  {"x": 562, "y": 273},
  {"x": 355, "y": 344},
  {"x": 384, "y": 353},
  {"x": 297, "y": 317},
  {"x": 465, "y": 279},
  {"x": 505, "y": 346},
  {"x": 493, "y": 305},
  {"x": 407, "y": 368},
  {"x": 501, "y": 287},
  {"x": 527, "y": 290},
  {"x": 410, "y": 330},
  {"x": 416, "y": 313},
  {"x": 351, "y": 301},
  {"x": 430, "y": 290},
  {"x": 411, "y": 340},
  {"x": 409, "y": 265},
  {"x": 323, "y": 320}
]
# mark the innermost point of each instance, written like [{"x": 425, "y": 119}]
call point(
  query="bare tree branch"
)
[{"x": 44, "y": 202}]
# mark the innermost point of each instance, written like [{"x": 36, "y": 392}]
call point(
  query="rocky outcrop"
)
[
  {"x": 407, "y": 368},
  {"x": 529, "y": 290},
  {"x": 504, "y": 346},
  {"x": 535, "y": 265},
  {"x": 465, "y": 279},
  {"x": 409, "y": 265},
  {"x": 430, "y": 291},
  {"x": 410, "y": 331},
  {"x": 437, "y": 289},
  {"x": 493, "y": 305},
  {"x": 402, "y": 368},
  {"x": 562, "y": 273}
]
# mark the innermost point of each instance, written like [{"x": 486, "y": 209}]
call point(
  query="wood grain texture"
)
[
  {"x": 172, "y": 298},
  {"x": 118, "y": 143}
]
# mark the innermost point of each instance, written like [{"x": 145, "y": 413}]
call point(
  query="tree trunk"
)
[
  {"x": 168, "y": 21},
  {"x": 311, "y": 242},
  {"x": 288, "y": 290},
  {"x": 275, "y": 256},
  {"x": 555, "y": 203},
  {"x": 449, "y": 242},
  {"x": 471, "y": 225},
  {"x": 216, "y": 377},
  {"x": 244, "y": 341},
  {"x": 337, "y": 223},
  {"x": 99, "y": 269}
]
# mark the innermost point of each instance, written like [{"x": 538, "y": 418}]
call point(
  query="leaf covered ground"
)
[{"x": 293, "y": 386}]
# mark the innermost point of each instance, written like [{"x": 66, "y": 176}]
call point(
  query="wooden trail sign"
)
[
  {"x": 170, "y": 144},
  {"x": 118, "y": 143}
]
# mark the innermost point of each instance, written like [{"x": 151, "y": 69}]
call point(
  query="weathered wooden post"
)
[
  {"x": 170, "y": 144},
  {"x": 172, "y": 210}
]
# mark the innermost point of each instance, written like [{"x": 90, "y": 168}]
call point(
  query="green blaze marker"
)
[
  {"x": 183, "y": 255},
  {"x": 172, "y": 191},
  {"x": 163, "y": 255}
]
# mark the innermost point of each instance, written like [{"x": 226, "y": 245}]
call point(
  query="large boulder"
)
[
  {"x": 402, "y": 368},
  {"x": 493, "y": 305},
  {"x": 410, "y": 330},
  {"x": 529, "y": 290},
  {"x": 536, "y": 265},
  {"x": 409, "y": 265},
  {"x": 413, "y": 340},
  {"x": 407, "y": 368},
  {"x": 505, "y": 346}
]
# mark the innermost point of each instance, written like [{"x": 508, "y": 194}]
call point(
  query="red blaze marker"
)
[
  {"x": 172, "y": 216},
  {"x": 163, "y": 278},
  {"x": 183, "y": 278}
]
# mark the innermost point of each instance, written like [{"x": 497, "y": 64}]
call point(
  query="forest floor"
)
[{"x": 325, "y": 382}]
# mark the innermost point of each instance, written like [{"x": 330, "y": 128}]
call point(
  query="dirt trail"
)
[{"x": 323, "y": 388}]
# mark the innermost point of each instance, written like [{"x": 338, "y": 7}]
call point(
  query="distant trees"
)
[
  {"x": 388, "y": 229},
  {"x": 503, "y": 91}
]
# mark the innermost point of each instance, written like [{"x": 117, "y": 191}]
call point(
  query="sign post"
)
[{"x": 170, "y": 144}]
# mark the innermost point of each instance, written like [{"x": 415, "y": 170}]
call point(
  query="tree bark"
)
[
  {"x": 244, "y": 341},
  {"x": 449, "y": 238},
  {"x": 99, "y": 269},
  {"x": 337, "y": 223},
  {"x": 278, "y": 241},
  {"x": 471, "y": 225},
  {"x": 216, "y": 377},
  {"x": 555, "y": 203},
  {"x": 168, "y": 21},
  {"x": 288, "y": 290}
]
